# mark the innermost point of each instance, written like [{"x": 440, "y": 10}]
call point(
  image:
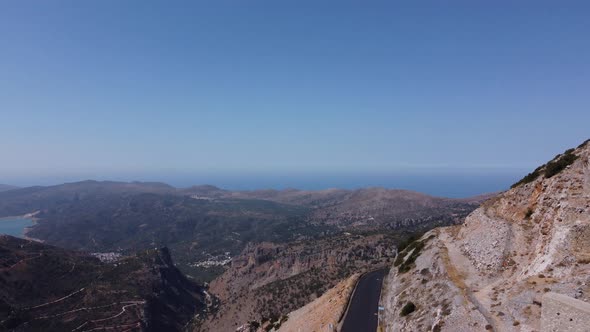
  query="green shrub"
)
[
  {"x": 417, "y": 246},
  {"x": 399, "y": 260},
  {"x": 529, "y": 177},
  {"x": 556, "y": 166},
  {"x": 409, "y": 240},
  {"x": 404, "y": 268},
  {"x": 406, "y": 246},
  {"x": 407, "y": 309}
]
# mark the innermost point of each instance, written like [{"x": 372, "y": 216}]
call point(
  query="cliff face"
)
[
  {"x": 264, "y": 263},
  {"x": 491, "y": 272},
  {"x": 174, "y": 300}
]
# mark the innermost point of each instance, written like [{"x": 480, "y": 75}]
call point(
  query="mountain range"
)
[
  {"x": 250, "y": 260},
  {"x": 203, "y": 223}
]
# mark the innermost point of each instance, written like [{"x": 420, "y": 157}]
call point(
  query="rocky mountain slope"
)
[
  {"x": 45, "y": 288},
  {"x": 366, "y": 208},
  {"x": 491, "y": 272},
  {"x": 269, "y": 280},
  {"x": 379, "y": 208}
]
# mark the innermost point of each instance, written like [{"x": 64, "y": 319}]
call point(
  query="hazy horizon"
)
[
  {"x": 113, "y": 89},
  {"x": 450, "y": 183}
]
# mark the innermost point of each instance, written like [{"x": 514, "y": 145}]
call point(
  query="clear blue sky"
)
[{"x": 97, "y": 88}]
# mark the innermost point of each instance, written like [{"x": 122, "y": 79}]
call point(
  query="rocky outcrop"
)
[{"x": 492, "y": 271}]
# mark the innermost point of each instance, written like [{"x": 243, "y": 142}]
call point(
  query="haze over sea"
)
[
  {"x": 303, "y": 94},
  {"x": 446, "y": 183}
]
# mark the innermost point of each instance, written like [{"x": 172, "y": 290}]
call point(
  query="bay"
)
[{"x": 15, "y": 226}]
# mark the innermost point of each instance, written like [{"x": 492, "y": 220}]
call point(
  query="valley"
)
[
  {"x": 217, "y": 224},
  {"x": 259, "y": 254}
]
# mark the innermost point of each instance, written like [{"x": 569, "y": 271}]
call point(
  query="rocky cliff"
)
[{"x": 491, "y": 272}]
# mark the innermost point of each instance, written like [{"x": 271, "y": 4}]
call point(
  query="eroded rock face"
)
[
  {"x": 484, "y": 240},
  {"x": 436, "y": 290},
  {"x": 530, "y": 240},
  {"x": 269, "y": 280}
]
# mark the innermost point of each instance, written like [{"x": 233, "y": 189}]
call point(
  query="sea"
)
[
  {"x": 452, "y": 183},
  {"x": 14, "y": 226}
]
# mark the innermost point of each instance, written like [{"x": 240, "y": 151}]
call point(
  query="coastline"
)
[
  {"x": 30, "y": 215},
  {"x": 27, "y": 229}
]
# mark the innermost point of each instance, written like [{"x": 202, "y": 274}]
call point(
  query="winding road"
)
[{"x": 362, "y": 311}]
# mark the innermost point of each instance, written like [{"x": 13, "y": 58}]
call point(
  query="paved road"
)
[{"x": 362, "y": 313}]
